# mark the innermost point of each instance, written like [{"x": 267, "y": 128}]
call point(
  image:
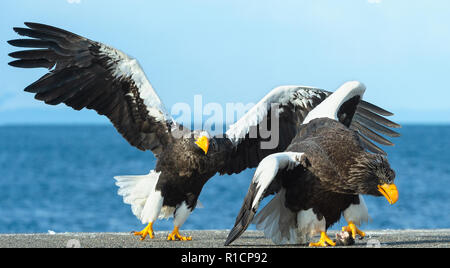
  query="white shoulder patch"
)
[
  {"x": 330, "y": 106},
  {"x": 268, "y": 169}
]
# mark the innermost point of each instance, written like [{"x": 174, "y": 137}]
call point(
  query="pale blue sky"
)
[{"x": 238, "y": 50}]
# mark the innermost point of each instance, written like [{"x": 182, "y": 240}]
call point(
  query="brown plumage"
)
[
  {"x": 331, "y": 173},
  {"x": 320, "y": 177}
]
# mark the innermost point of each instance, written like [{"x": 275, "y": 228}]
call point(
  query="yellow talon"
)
[
  {"x": 324, "y": 241},
  {"x": 147, "y": 231},
  {"x": 175, "y": 235},
  {"x": 351, "y": 228}
]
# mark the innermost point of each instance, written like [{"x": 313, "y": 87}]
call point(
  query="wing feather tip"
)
[
  {"x": 16, "y": 63},
  {"x": 237, "y": 230},
  {"x": 231, "y": 237},
  {"x": 11, "y": 42},
  {"x": 34, "y": 25},
  {"x": 17, "y": 29},
  {"x": 14, "y": 55},
  {"x": 375, "y": 108}
]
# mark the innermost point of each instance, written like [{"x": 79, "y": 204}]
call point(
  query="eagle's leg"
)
[
  {"x": 147, "y": 231},
  {"x": 324, "y": 241},
  {"x": 150, "y": 213},
  {"x": 181, "y": 215},
  {"x": 175, "y": 235},
  {"x": 351, "y": 228}
]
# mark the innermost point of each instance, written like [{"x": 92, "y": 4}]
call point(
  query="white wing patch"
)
[
  {"x": 124, "y": 66},
  {"x": 268, "y": 169},
  {"x": 280, "y": 95},
  {"x": 330, "y": 106}
]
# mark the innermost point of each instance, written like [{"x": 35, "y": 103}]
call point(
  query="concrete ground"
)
[{"x": 215, "y": 239}]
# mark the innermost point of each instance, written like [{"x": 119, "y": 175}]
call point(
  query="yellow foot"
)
[
  {"x": 352, "y": 229},
  {"x": 175, "y": 235},
  {"x": 147, "y": 231},
  {"x": 324, "y": 241}
]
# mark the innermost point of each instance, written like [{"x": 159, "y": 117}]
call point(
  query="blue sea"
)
[{"x": 60, "y": 178}]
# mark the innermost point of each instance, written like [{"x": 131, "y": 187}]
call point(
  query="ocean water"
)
[{"x": 60, "y": 178}]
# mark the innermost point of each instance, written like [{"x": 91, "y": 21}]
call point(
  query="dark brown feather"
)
[{"x": 85, "y": 77}]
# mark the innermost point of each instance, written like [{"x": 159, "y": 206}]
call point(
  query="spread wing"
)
[
  {"x": 88, "y": 74},
  {"x": 291, "y": 105}
]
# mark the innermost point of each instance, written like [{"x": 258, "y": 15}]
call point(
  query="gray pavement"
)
[{"x": 215, "y": 239}]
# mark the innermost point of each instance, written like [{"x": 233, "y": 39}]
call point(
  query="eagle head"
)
[
  {"x": 374, "y": 176},
  {"x": 201, "y": 140}
]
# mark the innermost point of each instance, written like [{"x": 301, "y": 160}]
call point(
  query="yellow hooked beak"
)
[
  {"x": 390, "y": 192},
  {"x": 203, "y": 143}
]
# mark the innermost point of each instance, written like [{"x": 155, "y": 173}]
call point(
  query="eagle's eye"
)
[{"x": 213, "y": 144}]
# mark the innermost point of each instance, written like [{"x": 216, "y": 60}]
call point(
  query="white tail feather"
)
[
  {"x": 136, "y": 189},
  {"x": 277, "y": 221}
]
